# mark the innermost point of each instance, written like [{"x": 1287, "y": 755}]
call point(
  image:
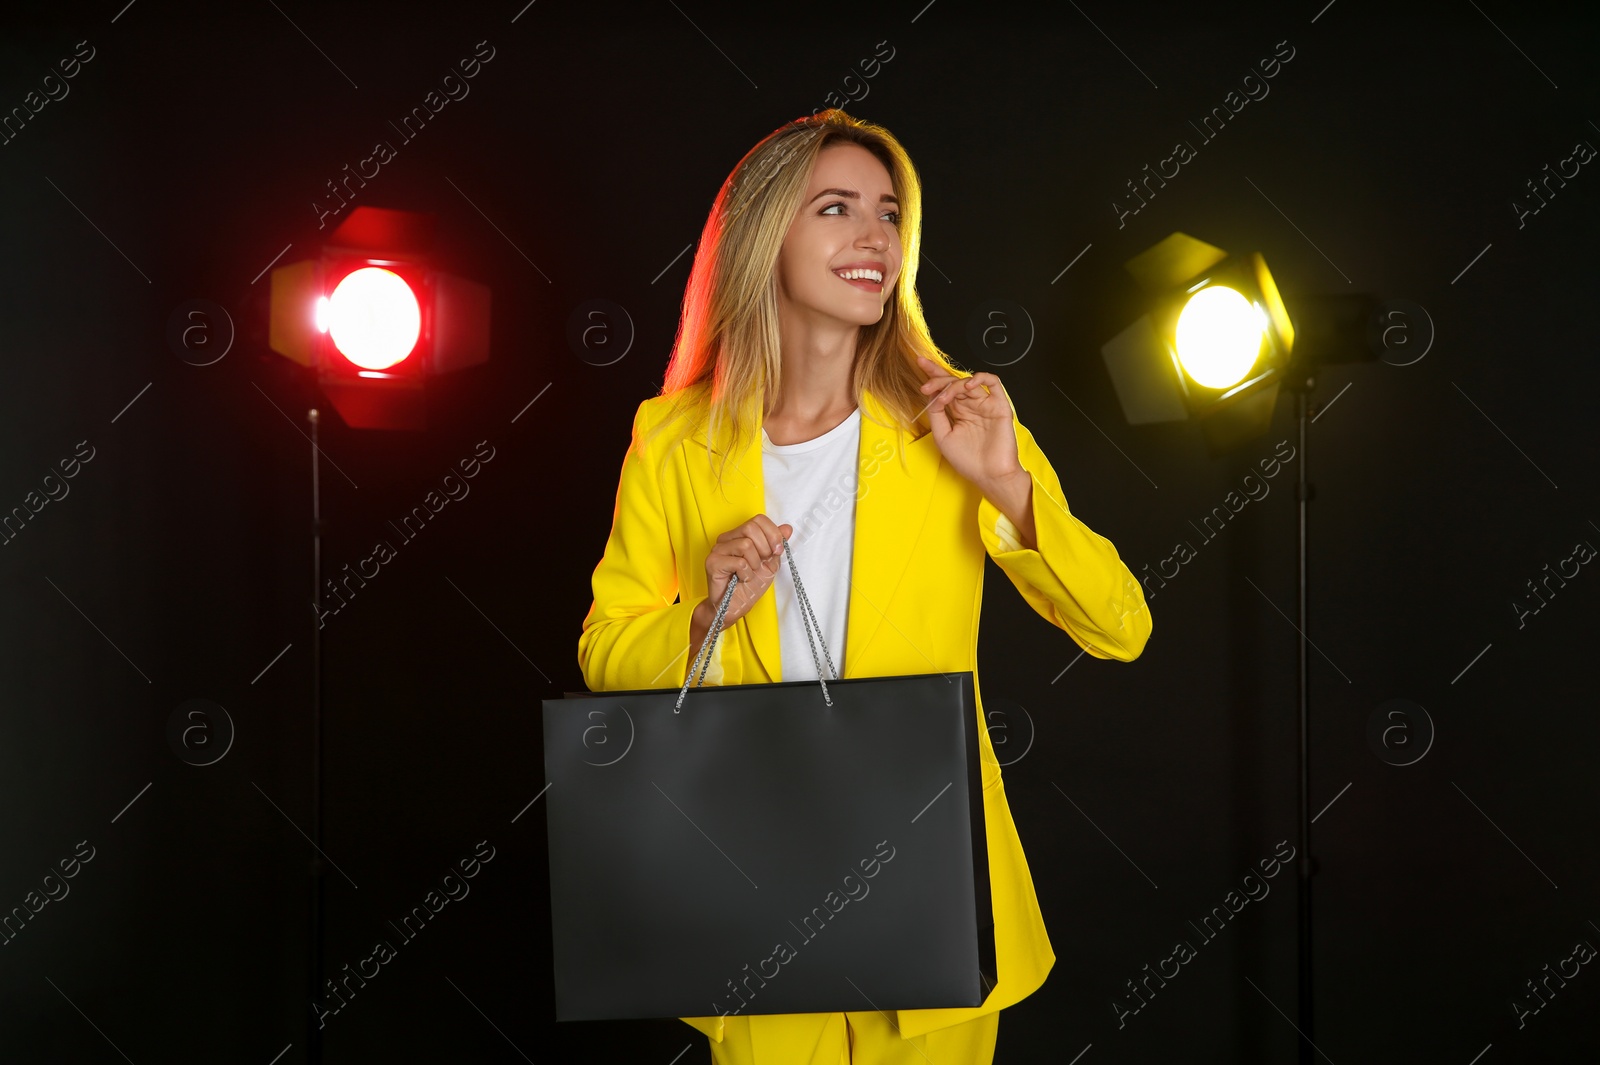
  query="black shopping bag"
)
[{"x": 797, "y": 847}]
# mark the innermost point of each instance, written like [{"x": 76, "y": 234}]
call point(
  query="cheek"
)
[
  {"x": 805, "y": 264},
  {"x": 795, "y": 257},
  {"x": 791, "y": 269}
]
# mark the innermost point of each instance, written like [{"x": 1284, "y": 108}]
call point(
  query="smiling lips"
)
[{"x": 866, "y": 276}]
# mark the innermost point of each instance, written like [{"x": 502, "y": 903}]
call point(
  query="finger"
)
[
  {"x": 989, "y": 382},
  {"x": 727, "y": 570},
  {"x": 726, "y": 559},
  {"x": 754, "y": 556},
  {"x": 771, "y": 540},
  {"x": 768, "y": 537},
  {"x": 777, "y": 535},
  {"x": 739, "y": 556},
  {"x": 938, "y": 421},
  {"x": 967, "y": 398},
  {"x": 738, "y": 567}
]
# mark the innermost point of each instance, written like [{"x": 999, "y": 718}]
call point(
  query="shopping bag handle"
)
[{"x": 702, "y": 660}]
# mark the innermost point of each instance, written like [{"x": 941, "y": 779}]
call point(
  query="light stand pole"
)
[
  {"x": 1329, "y": 329},
  {"x": 314, "y": 1031},
  {"x": 1303, "y": 382}
]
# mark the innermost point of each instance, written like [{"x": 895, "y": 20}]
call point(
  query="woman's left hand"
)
[{"x": 971, "y": 419}]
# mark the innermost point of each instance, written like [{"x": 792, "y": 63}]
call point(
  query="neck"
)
[{"x": 818, "y": 359}]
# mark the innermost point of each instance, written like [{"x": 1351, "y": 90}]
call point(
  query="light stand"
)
[
  {"x": 1299, "y": 336},
  {"x": 375, "y": 319}
]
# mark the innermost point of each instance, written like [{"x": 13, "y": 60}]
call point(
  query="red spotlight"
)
[
  {"x": 375, "y": 320},
  {"x": 372, "y": 317}
]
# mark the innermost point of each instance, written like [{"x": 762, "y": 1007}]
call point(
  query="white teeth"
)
[{"x": 861, "y": 275}]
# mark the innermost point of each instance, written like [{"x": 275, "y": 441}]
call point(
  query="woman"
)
[{"x": 885, "y": 472}]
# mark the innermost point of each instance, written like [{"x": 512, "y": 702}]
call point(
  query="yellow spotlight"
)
[
  {"x": 1219, "y": 336},
  {"x": 1214, "y": 344}
]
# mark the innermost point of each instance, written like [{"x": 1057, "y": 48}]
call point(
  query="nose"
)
[{"x": 877, "y": 234}]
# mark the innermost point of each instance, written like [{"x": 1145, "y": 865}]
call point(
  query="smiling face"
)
[{"x": 841, "y": 255}]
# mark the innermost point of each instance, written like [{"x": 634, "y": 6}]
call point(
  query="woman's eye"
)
[{"x": 894, "y": 216}]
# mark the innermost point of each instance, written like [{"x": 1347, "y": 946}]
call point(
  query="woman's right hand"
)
[{"x": 753, "y": 551}]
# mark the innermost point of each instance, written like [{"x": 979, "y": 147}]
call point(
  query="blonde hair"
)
[{"x": 726, "y": 358}]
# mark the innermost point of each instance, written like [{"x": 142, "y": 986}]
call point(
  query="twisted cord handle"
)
[{"x": 702, "y": 659}]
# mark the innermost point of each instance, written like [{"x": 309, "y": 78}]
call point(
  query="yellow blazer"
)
[{"x": 916, "y": 585}]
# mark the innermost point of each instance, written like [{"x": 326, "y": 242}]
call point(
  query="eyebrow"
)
[{"x": 853, "y": 195}]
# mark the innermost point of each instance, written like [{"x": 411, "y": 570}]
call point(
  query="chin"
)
[{"x": 859, "y": 315}]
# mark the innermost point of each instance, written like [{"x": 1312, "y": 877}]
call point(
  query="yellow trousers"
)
[{"x": 850, "y": 1039}]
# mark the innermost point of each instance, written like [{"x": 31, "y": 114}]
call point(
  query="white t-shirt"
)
[{"x": 812, "y": 486}]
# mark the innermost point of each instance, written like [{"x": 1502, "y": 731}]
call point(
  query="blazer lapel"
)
[{"x": 891, "y": 504}]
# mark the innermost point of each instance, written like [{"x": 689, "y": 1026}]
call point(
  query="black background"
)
[{"x": 189, "y": 152}]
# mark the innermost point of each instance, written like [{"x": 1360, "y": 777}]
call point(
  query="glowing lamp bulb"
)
[
  {"x": 373, "y": 318},
  {"x": 1219, "y": 336}
]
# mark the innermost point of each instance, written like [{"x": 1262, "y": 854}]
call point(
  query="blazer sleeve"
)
[
  {"x": 1074, "y": 579},
  {"x": 635, "y": 636}
]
